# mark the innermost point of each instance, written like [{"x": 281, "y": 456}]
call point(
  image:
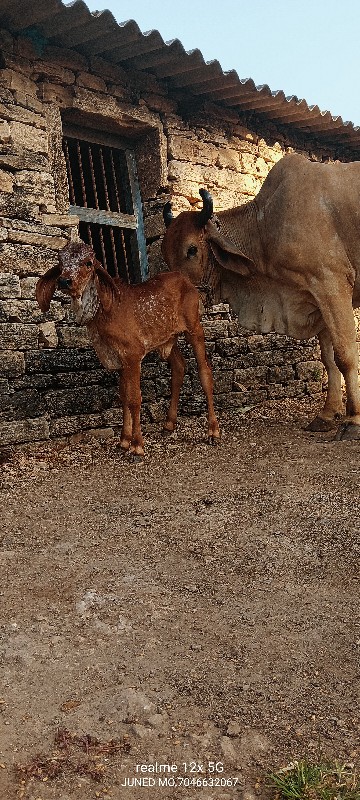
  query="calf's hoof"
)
[
  {"x": 213, "y": 441},
  {"x": 122, "y": 451},
  {"x": 136, "y": 458},
  {"x": 348, "y": 432},
  {"x": 320, "y": 425},
  {"x": 166, "y": 432}
]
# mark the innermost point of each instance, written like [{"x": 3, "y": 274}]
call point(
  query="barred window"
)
[{"x": 104, "y": 193}]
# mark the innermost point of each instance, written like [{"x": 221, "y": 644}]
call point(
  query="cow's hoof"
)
[
  {"x": 213, "y": 441},
  {"x": 320, "y": 425},
  {"x": 348, "y": 432}
]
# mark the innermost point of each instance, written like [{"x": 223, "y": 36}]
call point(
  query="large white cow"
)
[{"x": 287, "y": 261}]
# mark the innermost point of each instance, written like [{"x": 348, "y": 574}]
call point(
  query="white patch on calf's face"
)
[{"x": 85, "y": 307}]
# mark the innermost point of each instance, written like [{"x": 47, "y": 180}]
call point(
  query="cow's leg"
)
[
  {"x": 132, "y": 405},
  {"x": 177, "y": 365},
  {"x": 197, "y": 341},
  {"x": 333, "y": 408},
  {"x": 337, "y": 313}
]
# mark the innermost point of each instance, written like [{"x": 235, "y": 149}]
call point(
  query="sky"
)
[{"x": 308, "y": 48}]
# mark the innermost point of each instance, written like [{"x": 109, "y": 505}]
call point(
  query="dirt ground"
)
[{"x": 175, "y": 629}]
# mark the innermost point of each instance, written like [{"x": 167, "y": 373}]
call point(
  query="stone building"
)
[{"x": 99, "y": 126}]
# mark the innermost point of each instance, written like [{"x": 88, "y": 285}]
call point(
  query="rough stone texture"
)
[
  {"x": 12, "y": 363},
  {"x": 26, "y": 430},
  {"x": 51, "y": 382},
  {"x": 9, "y": 285},
  {"x": 47, "y": 335}
]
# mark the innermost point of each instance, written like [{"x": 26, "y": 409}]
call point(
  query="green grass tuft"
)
[{"x": 302, "y": 780}]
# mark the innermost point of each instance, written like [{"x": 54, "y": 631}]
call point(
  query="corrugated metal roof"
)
[{"x": 98, "y": 33}]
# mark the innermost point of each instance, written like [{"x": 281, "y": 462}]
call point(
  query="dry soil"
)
[{"x": 190, "y": 622}]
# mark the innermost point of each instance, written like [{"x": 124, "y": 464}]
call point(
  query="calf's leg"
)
[
  {"x": 131, "y": 437},
  {"x": 126, "y": 430},
  {"x": 197, "y": 341},
  {"x": 177, "y": 366}
]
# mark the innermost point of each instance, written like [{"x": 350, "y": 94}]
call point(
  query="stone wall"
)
[{"x": 51, "y": 383}]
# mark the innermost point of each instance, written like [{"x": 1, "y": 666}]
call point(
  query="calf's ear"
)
[
  {"x": 106, "y": 288},
  {"x": 46, "y": 286},
  {"x": 226, "y": 253}
]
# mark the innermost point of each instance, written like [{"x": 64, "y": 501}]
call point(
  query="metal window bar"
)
[{"x": 103, "y": 188}]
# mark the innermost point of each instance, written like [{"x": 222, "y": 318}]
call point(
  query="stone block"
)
[
  {"x": 314, "y": 388},
  {"x": 48, "y": 335},
  {"x": 68, "y": 425},
  {"x": 232, "y": 181},
  {"x": 24, "y": 404},
  {"x": 6, "y": 95},
  {"x": 36, "y": 188},
  {"x": 74, "y": 336},
  {"x": 118, "y": 90},
  {"x": 86, "y": 378},
  {"x": 310, "y": 370},
  {"x": 155, "y": 258},
  {"x": 251, "y": 376},
  {"x": 26, "y": 259},
  {"x": 223, "y": 380},
  {"x": 27, "y": 287},
  {"x": 257, "y": 342},
  {"x": 55, "y": 361},
  {"x": 280, "y": 374},
  {"x": 154, "y": 225},
  {"x": 97, "y": 103},
  {"x": 14, "y": 113},
  {"x": 27, "y": 101},
  {"x": 148, "y": 391},
  {"x": 17, "y": 158},
  {"x": 216, "y": 329},
  {"x": 79, "y": 400},
  {"x": 52, "y": 71},
  {"x": 4, "y": 391},
  {"x": 60, "y": 220},
  {"x": 9, "y": 285},
  {"x": 227, "y": 348},
  {"x": 12, "y": 363},
  {"x": 29, "y": 137},
  {"x": 26, "y": 311},
  {"x": 184, "y": 148},
  {"x": 273, "y": 153},
  {"x": 6, "y": 181},
  {"x": 228, "y": 159},
  {"x": 28, "y": 430},
  {"x": 15, "y": 336},
  {"x": 55, "y": 93},
  {"x": 159, "y": 103},
  {"x": 25, "y": 237},
  {"x": 17, "y": 82},
  {"x": 186, "y": 179},
  {"x": 90, "y": 81},
  {"x": 5, "y": 133}
]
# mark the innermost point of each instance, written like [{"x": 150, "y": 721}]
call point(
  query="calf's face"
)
[
  {"x": 79, "y": 275},
  {"x": 76, "y": 262}
]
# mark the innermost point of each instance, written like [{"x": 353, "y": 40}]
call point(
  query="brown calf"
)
[{"x": 126, "y": 322}]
